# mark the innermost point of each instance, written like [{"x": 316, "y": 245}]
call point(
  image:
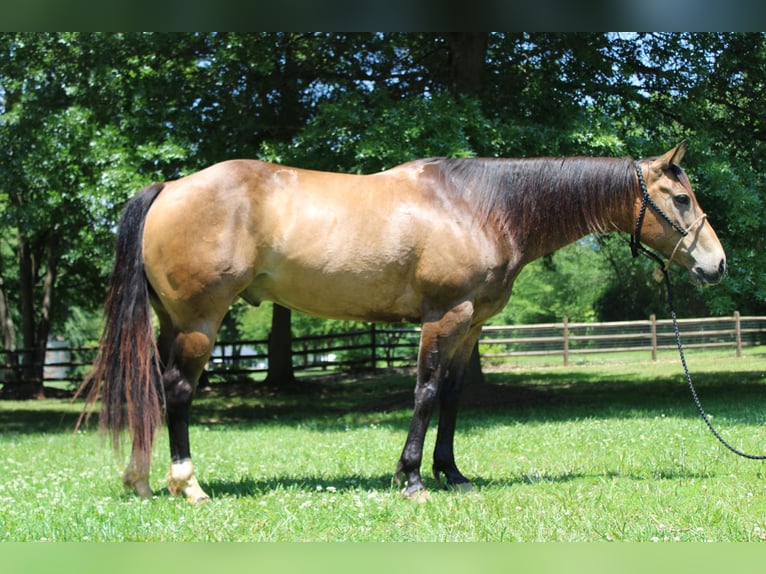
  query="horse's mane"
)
[{"x": 577, "y": 195}]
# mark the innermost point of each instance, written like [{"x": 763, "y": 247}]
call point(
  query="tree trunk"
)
[
  {"x": 281, "y": 374},
  {"x": 43, "y": 327},
  {"x": 474, "y": 374},
  {"x": 35, "y": 327},
  {"x": 10, "y": 362},
  {"x": 467, "y": 60}
]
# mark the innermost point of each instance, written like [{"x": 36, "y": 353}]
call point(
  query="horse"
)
[{"x": 436, "y": 241}]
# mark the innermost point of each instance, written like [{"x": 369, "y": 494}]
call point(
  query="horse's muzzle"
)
[{"x": 701, "y": 276}]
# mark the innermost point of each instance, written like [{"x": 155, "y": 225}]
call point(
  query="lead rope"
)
[
  {"x": 636, "y": 248},
  {"x": 697, "y": 402}
]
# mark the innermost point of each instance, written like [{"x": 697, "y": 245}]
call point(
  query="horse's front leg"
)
[
  {"x": 438, "y": 341},
  {"x": 449, "y": 402},
  {"x": 426, "y": 392}
]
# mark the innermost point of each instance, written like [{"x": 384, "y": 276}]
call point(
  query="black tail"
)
[{"x": 125, "y": 374}]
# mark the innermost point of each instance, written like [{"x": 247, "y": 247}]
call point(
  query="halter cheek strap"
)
[
  {"x": 688, "y": 230},
  {"x": 635, "y": 239}
]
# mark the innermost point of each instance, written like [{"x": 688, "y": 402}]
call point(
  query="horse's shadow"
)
[{"x": 248, "y": 487}]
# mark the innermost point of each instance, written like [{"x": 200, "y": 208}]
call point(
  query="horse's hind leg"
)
[
  {"x": 183, "y": 356},
  {"x": 188, "y": 355},
  {"x": 136, "y": 475}
]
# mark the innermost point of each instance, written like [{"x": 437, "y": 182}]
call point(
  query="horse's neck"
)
[{"x": 556, "y": 229}]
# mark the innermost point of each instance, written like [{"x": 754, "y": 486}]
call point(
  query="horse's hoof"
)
[
  {"x": 143, "y": 489},
  {"x": 419, "y": 495},
  {"x": 139, "y": 486},
  {"x": 181, "y": 481},
  {"x": 191, "y": 491}
]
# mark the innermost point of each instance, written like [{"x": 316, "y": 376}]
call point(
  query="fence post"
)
[
  {"x": 566, "y": 341},
  {"x": 653, "y": 320},
  {"x": 738, "y": 332},
  {"x": 373, "y": 346}
]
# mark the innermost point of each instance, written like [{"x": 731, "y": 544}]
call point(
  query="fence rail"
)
[
  {"x": 383, "y": 346},
  {"x": 651, "y": 336}
]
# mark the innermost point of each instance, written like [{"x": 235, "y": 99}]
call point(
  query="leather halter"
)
[{"x": 635, "y": 239}]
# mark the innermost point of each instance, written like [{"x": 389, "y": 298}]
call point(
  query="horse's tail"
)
[{"x": 125, "y": 374}]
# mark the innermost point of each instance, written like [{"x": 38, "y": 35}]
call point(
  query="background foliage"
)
[{"x": 87, "y": 119}]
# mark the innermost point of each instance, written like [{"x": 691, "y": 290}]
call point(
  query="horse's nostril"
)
[{"x": 722, "y": 267}]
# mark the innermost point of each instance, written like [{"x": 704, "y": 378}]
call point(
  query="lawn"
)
[{"x": 587, "y": 453}]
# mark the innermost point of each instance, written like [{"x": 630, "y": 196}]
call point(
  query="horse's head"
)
[{"x": 673, "y": 223}]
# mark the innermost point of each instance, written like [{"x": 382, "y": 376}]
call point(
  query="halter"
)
[{"x": 635, "y": 239}]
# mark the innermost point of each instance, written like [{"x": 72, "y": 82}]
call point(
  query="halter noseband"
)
[{"x": 635, "y": 239}]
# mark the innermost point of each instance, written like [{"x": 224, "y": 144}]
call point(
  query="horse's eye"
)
[{"x": 682, "y": 200}]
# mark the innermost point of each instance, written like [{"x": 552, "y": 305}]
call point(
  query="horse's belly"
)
[{"x": 380, "y": 297}]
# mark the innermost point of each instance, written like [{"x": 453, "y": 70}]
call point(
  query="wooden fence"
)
[
  {"x": 567, "y": 339},
  {"x": 386, "y": 347}
]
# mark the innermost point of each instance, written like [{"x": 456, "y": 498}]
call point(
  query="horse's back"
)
[{"x": 329, "y": 244}]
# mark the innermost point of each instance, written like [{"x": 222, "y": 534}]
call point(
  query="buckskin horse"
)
[{"x": 435, "y": 241}]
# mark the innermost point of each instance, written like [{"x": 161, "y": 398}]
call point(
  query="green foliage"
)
[
  {"x": 734, "y": 192},
  {"x": 87, "y": 119},
  {"x": 254, "y": 323},
  {"x": 369, "y": 132},
  {"x": 564, "y": 284}
]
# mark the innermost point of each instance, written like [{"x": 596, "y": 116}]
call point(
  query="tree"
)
[
  {"x": 706, "y": 87},
  {"x": 46, "y": 166},
  {"x": 88, "y": 119},
  {"x": 66, "y": 164},
  {"x": 726, "y": 110}
]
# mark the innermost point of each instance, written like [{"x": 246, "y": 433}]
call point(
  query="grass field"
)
[{"x": 588, "y": 453}]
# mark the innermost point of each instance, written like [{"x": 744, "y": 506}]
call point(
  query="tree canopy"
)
[{"x": 87, "y": 119}]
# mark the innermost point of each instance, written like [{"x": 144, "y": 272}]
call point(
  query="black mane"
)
[{"x": 577, "y": 195}]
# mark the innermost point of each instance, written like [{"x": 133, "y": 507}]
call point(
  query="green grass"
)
[{"x": 597, "y": 452}]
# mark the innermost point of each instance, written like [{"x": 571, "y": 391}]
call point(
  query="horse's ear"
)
[
  {"x": 679, "y": 152},
  {"x": 674, "y": 156}
]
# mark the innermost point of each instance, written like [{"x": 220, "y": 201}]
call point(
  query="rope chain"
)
[{"x": 697, "y": 401}]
